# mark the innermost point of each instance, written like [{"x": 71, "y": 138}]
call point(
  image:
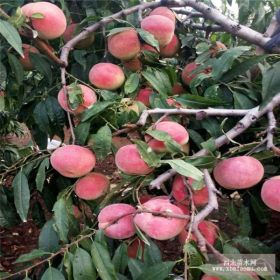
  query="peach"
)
[
  {"x": 76, "y": 212},
  {"x": 237, "y": 173},
  {"x": 187, "y": 77},
  {"x": 88, "y": 95},
  {"x": 165, "y": 12},
  {"x": 208, "y": 229},
  {"x": 144, "y": 198},
  {"x": 71, "y": 31},
  {"x": 180, "y": 192},
  {"x": 133, "y": 248},
  {"x": 157, "y": 227},
  {"x": 26, "y": 61},
  {"x": 133, "y": 65},
  {"x": 161, "y": 27},
  {"x": 177, "y": 132},
  {"x": 124, "y": 45},
  {"x": 144, "y": 96},
  {"x": 52, "y": 25},
  {"x": 117, "y": 220},
  {"x": 92, "y": 186},
  {"x": 129, "y": 161},
  {"x": 148, "y": 48},
  {"x": 177, "y": 89},
  {"x": 72, "y": 161},
  {"x": 270, "y": 193},
  {"x": 106, "y": 76},
  {"x": 171, "y": 48}
]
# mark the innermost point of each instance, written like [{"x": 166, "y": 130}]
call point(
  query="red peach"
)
[
  {"x": 187, "y": 77},
  {"x": 124, "y": 45},
  {"x": 161, "y": 27},
  {"x": 177, "y": 132},
  {"x": 89, "y": 98},
  {"x": 165, "y": 12},
  {"x": 270, "y": 193},
  {"x": 177, "y": 89},
  {"x": 106, "y": 76},
  {"x": 144, "y": 198},
  {"x": 237, "y": 173},
  {"x": 144, "y": 96},
  {"x": 52, "y": 25},
  {"x": 129, "y": 161},
  {"x": 133, "y": 248},
  {"x": 171, "y": 48},
  {"x": 133, "y": 65},
  {"x": 92, "y": 186},
  {"x": 73, "y": 161},
  {"x": 117, "y": 220},
  {"x": 180, "y": 192},
  {"x": 26, "y": 61},
  {"x": 157, "y": 227}
]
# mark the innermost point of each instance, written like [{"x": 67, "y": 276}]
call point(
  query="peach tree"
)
[{"x": 130, "y": 128}]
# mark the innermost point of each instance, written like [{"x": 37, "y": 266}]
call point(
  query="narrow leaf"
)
[
  {"x": 61, "y": 219},
  {"x": 34, "y": 254},
  {"x": 41, "y": 174},
  {"x": 52, "y": 274}
]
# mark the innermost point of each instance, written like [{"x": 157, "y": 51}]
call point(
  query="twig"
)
[{"x": 270, "y": 133}]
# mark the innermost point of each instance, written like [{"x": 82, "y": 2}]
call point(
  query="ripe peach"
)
[
  {"x": 148, "y": 48},
  {"x": 240, "y": 172},
  {"x": 117, "y": 220},
  {"x": 177, "y": 132},
  {"x": 52, "y": 25},
  {"x": 26, "y": 61},
  {"x": 133, "y": 65},
  {"x": 171, "y": 48},
  {"x": 106, "y": 76},
  {"x": 89, "y": 98},
  {"x": 129, "y": 161},
  {"x": 157, "y": 227},
  {"x": 270, "y": 193},
  {"x": 144, "y": 96},
  {"x": 146, "y": 197},
  {"x": 134, "y": 247},
  {"x": 161, "y": 27},
  {"x": 180, "y": 192},
  {"x": 92, "y": 186},
  {"x": 165, "y": 12},
  {"x": 72, "y": 161},
  {"x": 187, "y": 77},
  {"x": 124, "y": 45},
  {"x": 119, "y": 142},
  {"x": 177, "y": 89},
  {"x": 71, "y": 31}
]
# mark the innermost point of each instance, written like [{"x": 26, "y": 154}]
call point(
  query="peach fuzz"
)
[
  {"x": 270, "y": 193},
  {"x": 92, "y": 186},
  {"x": 133, "y": 65},
  {"x": 117, "y": 220},
  {"x": 26, "y": 61},
  {"x": 144, "y": 96},
  {"x": 106, "y": 76},
  {"x": 124, "y": 45},
  {"x": 71, "y": 32},
  {"x": 73, "y": 161},
  {"x": 129, "y": 161},
  {"x": 237, "y": 173},
  {"x": 176, "y": 131},
  {"x": 133, "y": 248},
  {"x": 161, "y": 27},
  {"x": 89, "y": 98},
  {"x": 171, "y": 48},
  {"x": 180, "y": 192},
  {"x": 157, "y": 227},
  {"x": 165, "y": 12},
  {"x": 52, "y": 25}
]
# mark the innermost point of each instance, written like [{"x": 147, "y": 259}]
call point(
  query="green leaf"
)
[
  {"x": 152, "y": 254},
  {"x": 41, "y": 174},
  {"x": 229, "y": 249},
  {"x": 159, "y": 271},
  {"x": 21, "y": 195},
  {"x": 102, "y": 262},
  {"x": 67, "y": 262},
  {"x": 148, "y": 38},
  {"x": 270, "y": 83},
  {"x": 52, "y": 274},
  {"x": 82, "y": 131},
  {"x": 48, "y": 238},
  {"x": 83, "y": 268},
  {"x": 120, "y": 259},
  {"x": 252, "y": 245},
  {"x": 136, "y": 268},
  {"x": 244, "y": 221},
  {"x": 17, "y": 68},
  {"x": 131, "y": 83},
  {"x": 61, "y": 219},
  {"x": 203, "y": 161},
  {"x": 3, "y": 73},
  {"x": 96, "y": 109},
  {"x": 11, "y": 35},
  {"x": 75, "y": 96},
  {"x": 37, "y": 15},
  {"x": 40, "y": 115},
  {"x": 102, "y": 142},
  {"x": 232, "y": 212},
  {"x": 259, "y": 209},
  {"x": 209, "y": 145},
  {"x": 146, "y": 153},
  {"x": 34, "y": 254},
  {"x": 185, "y": 169}
]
